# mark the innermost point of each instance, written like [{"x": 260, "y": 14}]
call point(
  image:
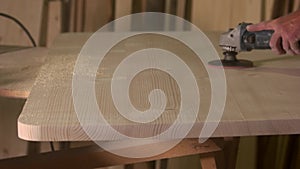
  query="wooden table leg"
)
[
  {"x": 231, "y": 150},
  {"x": 129, "y": 166},
  {"x": 93, "y": 156},
  {"x": 226, "y": 159},
  {"x": 33, "y": 147},
  {"x": 163, "y": 163},
  {"x": 64, "y": 145},
  {"x": 208, "y": 162}
]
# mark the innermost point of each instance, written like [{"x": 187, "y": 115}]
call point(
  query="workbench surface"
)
[
  {"x": 19, "y": 66},
  {"x": 263, "y": 100}
]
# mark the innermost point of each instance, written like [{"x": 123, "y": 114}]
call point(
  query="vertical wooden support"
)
[
  {"x": 33, "y": 148},
  {"x": 139, "y": 6},
  {"x": 181, "y": 6},
  {"x": 230, "y": 152},
  {"x": 97, "y": 14},
  {"x": 296, "y": 5},
  {"x": 54, "y": 21},
  {"x": 228, "y": 156},
  {"x": 163, "y": 164},
  {"x": 208, "y": 162},
  {"x": 215, "y": 15},
  {"x": 79, "y": 15},
  {"x": 122, "y": 8}
]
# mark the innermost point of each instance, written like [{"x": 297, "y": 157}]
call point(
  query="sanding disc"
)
[{"x": 236, "y": 64}]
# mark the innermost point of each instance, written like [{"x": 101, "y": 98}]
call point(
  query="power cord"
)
[{"x": 21, "y": 25}]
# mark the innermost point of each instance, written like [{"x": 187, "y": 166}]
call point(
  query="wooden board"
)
[
  {"x": 54, "y": 21},
  {"x": 18, "y": 71},
  {"x": 122, "y": 8},
  {"x": 216, "y": 15},
  {"x": 268, "y": 9},
  {"x": 260, "y": 101},
  {"x": 181, "y": 6},
  {"x": 97, "y": 14}
]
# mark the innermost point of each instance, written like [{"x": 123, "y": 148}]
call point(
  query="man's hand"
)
[{"x": 286, "y": 33}]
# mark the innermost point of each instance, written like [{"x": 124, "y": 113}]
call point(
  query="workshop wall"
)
[
  {"x": 29, "y": 13},
  {"x": 45, "y": 19}
]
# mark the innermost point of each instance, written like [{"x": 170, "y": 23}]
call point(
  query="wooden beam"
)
[
  {"x": 181, "y": 6},
  {"x": 79, "y": 15},
  {"x": 208, "y": 163},
  {"x": 296, "y": 5},
  {"x": 93, "y": 156},
  {"x": 97, "y": 14},
  {"x": 54, "y": 21},
  {"x": 122, "y": 8},
  {"x": 216, "y": 15}
]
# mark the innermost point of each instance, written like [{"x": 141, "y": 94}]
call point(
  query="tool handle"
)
[{"x": 256, "y": 40}]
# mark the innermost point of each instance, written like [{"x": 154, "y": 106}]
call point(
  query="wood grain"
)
[
  {"x": 18, "y": 71},
  {"x": 208, "y": 163},
  {"x": 181, "y": 6},
  {"x": 215, "y": 15},
  {"x": 122, "y": 8},
  {"x": 96, "y": 14},
  {"x": 260, "y": 100},
  {"x": 54, "y": 21},
  {"x": 268, "y": 9}
]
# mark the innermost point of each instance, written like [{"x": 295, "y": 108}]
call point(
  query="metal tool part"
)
[{"x": 237, "y": 40}]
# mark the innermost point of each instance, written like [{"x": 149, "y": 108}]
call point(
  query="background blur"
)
[{"x": 47, "y": 18}]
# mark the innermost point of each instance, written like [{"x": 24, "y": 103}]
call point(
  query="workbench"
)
[
  {"x": 19, "y": 67},
  {"x": 262, "y": 100}
]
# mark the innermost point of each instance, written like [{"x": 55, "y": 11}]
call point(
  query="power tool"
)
[{"x": 237, "y": 40}]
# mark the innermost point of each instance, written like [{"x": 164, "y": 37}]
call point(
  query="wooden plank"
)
[
  {"x": 71, "y": 21},
  {"x": 139, "y": 6},
  {"x": 181, "y": 6},
  {"x": 230, "y": 150},
  {"x": 260, "y": 100},
  {"x": 97, "y": 14},
  {"x": 18, "y": 71},
  {"x": 268, "y": 9},
  {"x": 296, "y": 5},
  {"x": 280, "y": 8},
  {"x": 79, "y": 15},
  {"x": 54, "y": 21},
  {"x": 218, "y": 15},
  {"x": 208, "y": 163},
  {"x": 91, "y": 157},
  {"x": 168, "y": 6},
  {"x": 247, "y": 153},
  {"x": 123, "y": 8},
  {"x": 206, "y": 14},
  {"x": 10, "y": 32}
]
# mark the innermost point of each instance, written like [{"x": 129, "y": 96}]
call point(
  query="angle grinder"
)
[{"x": 237, "y": 40}]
